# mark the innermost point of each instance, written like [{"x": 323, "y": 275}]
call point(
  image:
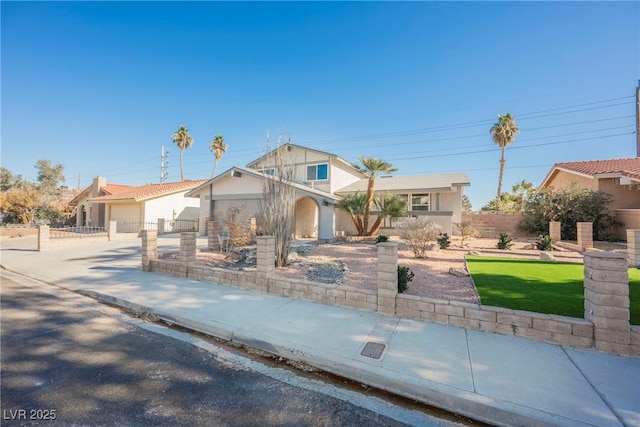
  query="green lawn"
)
[{"x": 539, "y": 286}]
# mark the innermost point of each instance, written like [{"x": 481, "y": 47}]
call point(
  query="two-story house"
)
[{"x": 320, "y": 180}]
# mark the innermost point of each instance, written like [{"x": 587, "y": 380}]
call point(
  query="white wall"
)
[
  {"x": 172, "y": 206},
  {"x": 125, "y": 212}
]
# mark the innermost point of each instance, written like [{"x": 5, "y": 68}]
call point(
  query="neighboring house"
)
[
  {"x": 101, "y": 202},
  {"x": 618, "y": 177},
  {"x": 93, "y": 214},
  {"x": 321, "y": 179}
]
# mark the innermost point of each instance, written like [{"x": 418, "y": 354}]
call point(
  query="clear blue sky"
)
[{"x": 100, "y": 87}]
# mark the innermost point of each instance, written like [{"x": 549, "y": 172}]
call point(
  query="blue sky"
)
[{"x": 100, "y": 87}]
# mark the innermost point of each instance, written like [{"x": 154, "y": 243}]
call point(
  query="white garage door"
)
[{"x": 128, "y": 217}]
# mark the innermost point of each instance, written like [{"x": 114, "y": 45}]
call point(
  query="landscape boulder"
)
[
  {"x": 546, "y": 256},
  {"x": 458, "y": 272}
]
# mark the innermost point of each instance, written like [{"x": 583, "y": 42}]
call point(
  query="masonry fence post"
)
[
  {"x": 387, "y": 277},
  {"x": 266, "y": 257},
  {"x": 188, "y": 246},
  {"x": 161, "y": 226},
  {"x": 585, "y": 236},
  {"x": 112, "y": 230},
  {"x": 606, "y": 300},
  {"x": 149, "y": 248},
  {"x": 213, "y": 231},
  {"x": 554, "y": 231},
  {"x": 43, "y": 237},
  {"x": 633, "y": 248}
]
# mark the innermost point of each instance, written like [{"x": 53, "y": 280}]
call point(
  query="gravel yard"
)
[{"x": 354, "y": 264}]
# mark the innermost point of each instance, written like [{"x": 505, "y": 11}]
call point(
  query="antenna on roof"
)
[
  {"x": 164, "y": 165},
  {"x": 638, "y": 120}
]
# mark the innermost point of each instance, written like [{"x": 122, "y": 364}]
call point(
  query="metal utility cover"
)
[{"x": 373, "y": 350}]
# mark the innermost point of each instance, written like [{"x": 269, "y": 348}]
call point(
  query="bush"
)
[
  {"x": 382, "y": 238},
  {"x": 467, "y": 230},
  {"x": 504, "y": 241},
  {"x": 569, "y": 206},
  {"x": 444, "y": 241},
  {"x": 405, "y": 275},
  {"x": 544, "y": 242},
  {"x": 419, "y": 233}
]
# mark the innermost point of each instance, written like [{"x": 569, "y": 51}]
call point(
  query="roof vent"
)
[
  {"x": 625, "y": 180},
  {"x": 236, "y": 174}
]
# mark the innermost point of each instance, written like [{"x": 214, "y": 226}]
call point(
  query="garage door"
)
[{"x": 128, "y": 217}]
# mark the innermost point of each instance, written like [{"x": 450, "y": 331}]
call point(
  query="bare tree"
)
[{"x": 278, "y": 199}]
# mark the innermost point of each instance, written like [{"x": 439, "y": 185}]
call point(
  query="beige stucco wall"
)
[
  {"x": 125, "y": 212},
  {"x": 631, "y": 220},
  {"x": 624, "y": 196},
  {"x": 562, "y": 179}
]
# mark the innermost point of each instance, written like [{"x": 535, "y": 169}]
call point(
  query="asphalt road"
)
[{"x": 67, "y": 360}]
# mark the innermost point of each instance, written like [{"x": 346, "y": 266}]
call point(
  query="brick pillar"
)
[
  {"x": 633, "y": 248},
  {"x": 149, "y": 248},
  {"x": 554, "y": 231},
  {"x": 43, "y": 238},
  {"x": 113, "y": 230},
  {"x": 606, "y": 300},
  {"x": 188, "y": 246},
  {"x": 266, "y": 261},
  {"x": 585, "y": 236},
  {"x": 387, "y": 277},
  {"x": 160, "y": 226}
]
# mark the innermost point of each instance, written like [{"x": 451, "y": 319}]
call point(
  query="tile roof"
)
[
  {"x": 148, "y": 191},
  {"x": 629, "y": 167},
  {"x": 410, "y": 183},
  {"x": 116, "y": 188}
]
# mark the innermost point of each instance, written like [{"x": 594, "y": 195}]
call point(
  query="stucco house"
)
[
  {"x": 144, "y": 204},
  {"x": 321, "y": 179},
  {"x": 618, "y": 177}
]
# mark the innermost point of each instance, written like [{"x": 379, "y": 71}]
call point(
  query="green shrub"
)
[
  {"x": 405, "y": 275},
  {"x": 504, "y": 241},
  {"x": 382, "y": 238},
  {"x": 444, "y": 241},
  {"x": 544, "y": 242}
]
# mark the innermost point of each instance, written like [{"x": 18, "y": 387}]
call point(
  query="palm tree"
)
[
  {"x": 218, "y": 147},
  {"x": 503, "y": 133},
  {"x": 354, "y": 205},
  {"x": 183, "y": 140},
  {"x": 372, "y": 168},
  {"x": 391, "y": 205}
]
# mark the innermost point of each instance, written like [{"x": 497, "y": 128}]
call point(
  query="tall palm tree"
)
[
  {"x": 218, "y": 147},
  {"x": 183, "y": 140},
  {"x": 503, "y": 133},
  {"x": 372, "y": 168}
]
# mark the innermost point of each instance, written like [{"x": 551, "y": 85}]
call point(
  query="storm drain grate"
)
[{"x": 373, "y": 350}]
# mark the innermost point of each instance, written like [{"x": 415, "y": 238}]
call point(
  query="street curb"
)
[{"x": 471, "y": 405}]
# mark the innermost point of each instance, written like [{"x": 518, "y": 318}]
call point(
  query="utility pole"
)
[
  {"x": 638, "y": 120},
  {"x": 164, "y": 165}
]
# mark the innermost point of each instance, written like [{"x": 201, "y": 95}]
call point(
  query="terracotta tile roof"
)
[
  {"x": 116, "y": 188},
  {"x": 148, "y": 191},
  {"x": 629, "y": 167}
]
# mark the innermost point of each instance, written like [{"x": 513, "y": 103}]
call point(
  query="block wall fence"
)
[{"x": 605, "y": 326}]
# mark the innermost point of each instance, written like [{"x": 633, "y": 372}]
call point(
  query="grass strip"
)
[{"x": 539, "y": 286}]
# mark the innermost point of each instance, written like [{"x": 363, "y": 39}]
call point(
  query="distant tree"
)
[
  {"x": 503, "y": 133},
  {"x": 50, "y": 177},
  {"x": 19, "y": 204},
  {"x": 8, "y": 180},
  {"x": 466, "y": 204},
  {"x": 183, "y": 140},
  {"x": 514, "y": 201},
  {"x": 218, "y": 147},
  {"x": 372, "y": 168}
]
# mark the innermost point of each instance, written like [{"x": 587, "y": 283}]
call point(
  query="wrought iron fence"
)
[
  {"x": 76, "y": 232},
  {"x": 179, "y": 225},
  {"x": 135, "y": 226}
]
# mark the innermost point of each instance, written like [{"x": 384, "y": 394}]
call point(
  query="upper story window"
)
[
  {"x": 270, "y": 171},
  {"x": 319, "y": 172},
  {"x": 420, "y": 202}
]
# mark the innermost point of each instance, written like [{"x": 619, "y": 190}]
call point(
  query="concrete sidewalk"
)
[{"x": 493, "y": 378}]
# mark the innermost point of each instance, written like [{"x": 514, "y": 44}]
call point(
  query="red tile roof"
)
[
  {"x": 629, "y": 167},
  {"x": 116, "y": 188},
  {"x": 148, "y": 191}
]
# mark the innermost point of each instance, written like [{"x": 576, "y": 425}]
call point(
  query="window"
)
[
  {"x": 318, "y": 172},
  {"x": 420, "y": 202},
  {"x": 270, "y": 171}
]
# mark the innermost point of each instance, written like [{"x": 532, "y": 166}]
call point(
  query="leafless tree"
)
[{"x": 278, "y": 199}]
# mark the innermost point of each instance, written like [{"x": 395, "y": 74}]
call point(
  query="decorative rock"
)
[
  {"x": 530, "y": 247},
  {"x": 545, "y": 256},
  {"x": 474, "y": 253},
  {"x": 434, "y": 247},
  {"x": 458, "y": 272}
]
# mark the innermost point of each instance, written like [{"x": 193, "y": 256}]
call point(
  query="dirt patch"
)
[{"x": 354, "y": 264}]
